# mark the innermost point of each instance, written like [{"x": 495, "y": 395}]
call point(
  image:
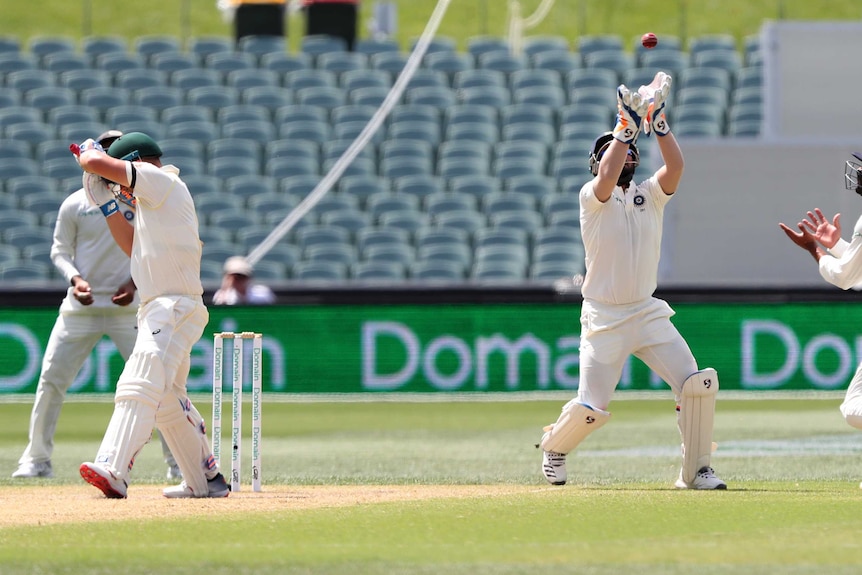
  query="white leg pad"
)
[
  {"x": 186, "y": 440},
  {"x": 696, "y": 419},
  {"x": 575, "y": 423},
  {"x": 130, "y": 428}
]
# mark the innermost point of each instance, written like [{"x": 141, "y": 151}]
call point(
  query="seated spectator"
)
[{"x": 237, "y": 287}]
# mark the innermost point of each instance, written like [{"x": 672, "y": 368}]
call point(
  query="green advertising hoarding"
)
[{"x": 474, "y": 347}]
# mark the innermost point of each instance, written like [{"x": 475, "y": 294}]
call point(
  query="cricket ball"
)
[{"x": 649, "y": 40}]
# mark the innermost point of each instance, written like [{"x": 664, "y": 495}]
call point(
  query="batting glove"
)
[
  {"x": 656, "y": 116},
  {"x": 99, "y": 194},
  {"x": 631, "y": 109},
  {"x": 86, "y": 145}
]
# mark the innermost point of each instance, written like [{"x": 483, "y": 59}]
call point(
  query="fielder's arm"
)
[{"x": 670, "y": 174}]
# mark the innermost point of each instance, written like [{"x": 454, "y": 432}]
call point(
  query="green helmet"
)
[{"x": 134, "y": 145}]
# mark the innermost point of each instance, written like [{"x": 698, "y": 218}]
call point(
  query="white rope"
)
[
  {"x": 361, "y": 140},
  {"x": 517, "y": 23}
]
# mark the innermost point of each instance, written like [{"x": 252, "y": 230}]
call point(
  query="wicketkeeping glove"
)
[
  {"x": 631, "y": 109},
  {"x": 656, "y": 120}
]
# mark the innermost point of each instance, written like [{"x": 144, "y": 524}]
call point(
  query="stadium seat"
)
[
  {"x": 92, "y": 46},
  {"x": 540, "y": 44},
  {"x": 560, "y": 62},
  {"x": 425, "y": 78},
  {"x": 244, "y": 187},
  {"x": 256, "y": 130},
  {"x": 456, "y": 167},
  {"x": 338, "y": 253},
  {"x": 340, "y": 62},
  {"x": 383, "y": 202},
  {"x": 448, "y": 62},
  {"x": 106, "y": 97},
  {"x": 368, "y": 96},
  {"x": 113, "y": 62},
  {"x": 714, "y": 77},
  {"x": 317, "y": 44},
  {"x": 728, "y": 60},
  {"x": 213, "y": 97},
  {"x": 226, "y": 62},
  {"x": 587, "y": 44},
  {"x": 193, "y": 130},
  {"x": 232, "y": 147},
  {"x": 281, "y": 63},
  {"x": 436, "y": 271},
  {"x": 186, "y": 113},
  {"x": 477, "y": 151},
  {"x": 80, "y": 80},
  {"x": 365, "y": 78},
  {"x": 550, "y": 96},
  {"x": 704, "y": 42},
  {"x": 24, "y": 271},
  {"x": 439, "y": 97},
  {"x": 477, "y": 185},
  {"x": 193, "y": 78},
  {"x": 251, "y": 78},
  {"x": 494, "y": 96},
  {"x": 402, "y": 254},
  {"x": 473, "y": 78},
  {"x": 478, "y": 45},
  {"x": 502, "y": 61},
  {"x": 536, "y": 185},
  {"x": 391, "y": 62},
  {"x": 466, "y": 221},
  {"x": 378, "y": 271},
  {"x": 170, "y": 62},
  {"x": 500, "y": 237},
  {"x": 261, "y": 44},
  {"x": 203, "y": 46},
  {"x": 328, "y": 97},
  {"x": 362, "y": 186},
  {"x": 320, "y": 271},
  {"x": 270, "y": 97},
  {"x": 498, "y": 271},
  {"x": 441, "y": 202},
  {"x": 372, "y": 46},
  {"x": 232, "y": 166},
  {"x": 26, "y": 80},
  {"x": 458, "y": 254},
  {"x": 151, "y": 44},
  {"x": 158, "y": 97},
  {"x": 63, "y": 61},
  {"x": 42, "y": 46},
  {"x": 137, "y": 78}
]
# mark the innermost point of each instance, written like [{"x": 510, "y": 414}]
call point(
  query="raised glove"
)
[
  {"x": 657, "y": 93},
  {"x": 99, "y": 194},
  {"x": 631, "y": 109}
]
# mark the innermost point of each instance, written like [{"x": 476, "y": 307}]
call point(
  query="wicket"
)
[{"x": 238, "y": 345}]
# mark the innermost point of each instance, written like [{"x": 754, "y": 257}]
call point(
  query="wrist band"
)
[{"x": 109, "y": 208}]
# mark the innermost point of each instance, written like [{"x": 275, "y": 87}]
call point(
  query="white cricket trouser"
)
[
  {"x": 155, "y": 375},
  {"x": 851, "y": 409},
  {"x": 72, "y": 339},
  {"x": 643, "y": 330}
]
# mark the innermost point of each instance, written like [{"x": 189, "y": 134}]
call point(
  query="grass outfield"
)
[
  {"x": 455, "y": 487},
  {"x": 464, "y": 18}
]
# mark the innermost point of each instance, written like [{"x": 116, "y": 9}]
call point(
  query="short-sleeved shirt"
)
[
  {"x": 622, "y": 240},
  {"x": 166, "y": 253}
]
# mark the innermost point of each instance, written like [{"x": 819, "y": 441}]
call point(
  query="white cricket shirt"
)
[
  {"x": 842, "y": 267},
  {"x": 622, "y": 240},
  {"x": 83, "y": 246},
  {"x": 166, "y": 253}
]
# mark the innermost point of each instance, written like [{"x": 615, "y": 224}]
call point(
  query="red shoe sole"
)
[{"x": 100, "y": 483}]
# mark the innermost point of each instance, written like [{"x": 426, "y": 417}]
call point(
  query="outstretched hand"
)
[
  {"x": 803, "y": 238},
  {"x": 824, "y": 232}
]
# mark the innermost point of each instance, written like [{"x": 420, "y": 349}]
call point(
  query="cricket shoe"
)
[
  {"x": 554, "y": 467},
  {"x": 99, "y": 477},
  {"x": 705, "y": 479},
  {"x": 33, "y": 469},
  {"x": 216, "y": 487}
]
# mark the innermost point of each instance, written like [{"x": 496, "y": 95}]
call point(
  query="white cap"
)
[{"x": 238, "y": 265}]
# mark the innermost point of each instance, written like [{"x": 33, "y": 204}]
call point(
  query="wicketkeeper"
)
[{"x": 621, "y": 225}]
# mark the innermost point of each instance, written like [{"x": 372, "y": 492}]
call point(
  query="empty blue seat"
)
[
  {"x": 270, "y": 97},
  {"x": 225, "y": 62},
  {"x": 502, "y": 61},
  {"x": 79, "y": 80},
  {"x": 282, "y": 63},
  {"x": 114, "y": 62},
  {"x": 25, "y": 80},
  {"x": 590, "y": 43},
  {"x": 151, "y": 44},
  {"x": 317, "y": 44},
  {"x": 63, "y": 61},
  {"x": 540, "y": 44},
  {"x": 252, "y": 78},
  {"x": 106, "y": 97},
  {"x": 262, "y": 44},
  {"x": 137, "y": 78},
  {"x": 170, "y": 62},
  {"x": 340, "y": 62},
  {"x": 194, "y": 77},
  {"x": 319, "y": 271},
  {"x": 214, "y": 97},
  {"x": 42, "y": 46},
  {"x": 560, "y": 62},
  {"x": 372, "y": 46},
  {"x": 203, "y": 46},
  {"x": 158, "y": 97},
  {"x": 448, "y": 62}
]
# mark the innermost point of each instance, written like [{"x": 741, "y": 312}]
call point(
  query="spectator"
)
[
  {"x": 237, "y": 286},
  {"x": 334, "y": 18}
]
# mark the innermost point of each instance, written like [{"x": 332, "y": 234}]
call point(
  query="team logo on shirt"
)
[
  {"x": 129, "y": 215},
  {"x": 639, "y": 200}
]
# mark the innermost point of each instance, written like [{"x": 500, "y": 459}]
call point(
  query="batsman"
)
[
  {"x": 165, "y": 252},
  {"x": 621, "y": 225}
]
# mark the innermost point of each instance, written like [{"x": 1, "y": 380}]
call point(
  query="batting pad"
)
[
  {"x": 182, "y": 427},
  {"x": 696, "y": 419},
  {"x": 575, "y": 423},
  {"x": 130, "y": 428}
]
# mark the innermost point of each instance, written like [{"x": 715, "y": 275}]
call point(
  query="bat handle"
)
[{"x": 75, "y": 149}]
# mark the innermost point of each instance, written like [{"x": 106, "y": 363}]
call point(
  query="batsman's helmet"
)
[{"x": 134, "y": 145}]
